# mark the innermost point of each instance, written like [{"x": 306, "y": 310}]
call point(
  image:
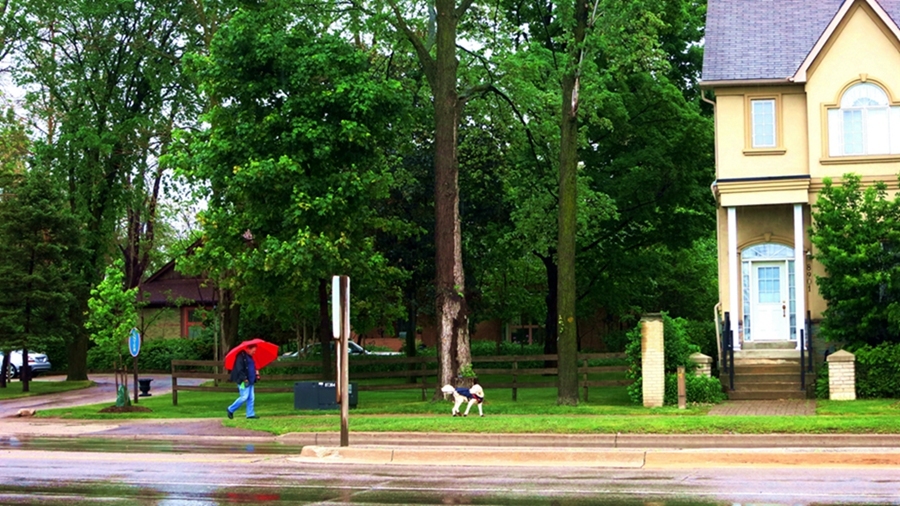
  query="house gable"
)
[
  {"x": 863, "y": 47},
  {"x": 763, "y": 42},
  {"x": 866, "y": 17}
]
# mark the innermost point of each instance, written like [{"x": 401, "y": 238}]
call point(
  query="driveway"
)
[{"x": 103, "y": 391}]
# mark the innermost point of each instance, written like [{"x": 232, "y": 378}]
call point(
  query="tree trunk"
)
[
  {"x": 231, "y": 320},
  {"x": 4, "y": 368},
  {"x": 325, "y": 336},
  {"x": 551, "y": 327},
  {"x": 452, "y": 314},
  {"x": 78, "y": 348},
  {"x": 25, "y": 373},
  {"x": 568, "y": 209}
]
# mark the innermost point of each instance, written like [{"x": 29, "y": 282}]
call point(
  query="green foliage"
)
[
  {"x": 112, "y": 313},
  {"x": 856, "y": 232},
  {"x": 295, "y": 164},
  {"x": 678, "y": 348},
  {"x": 698, "y": 389},
  {"x": 878, "y": 371},
  {"x": 822, "y": 388},
  {"x": 157, "y": 354},
  {"x": 38, "y": 258}
]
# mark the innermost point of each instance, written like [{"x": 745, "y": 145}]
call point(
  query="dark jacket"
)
[{"x": 244, "y": 369}]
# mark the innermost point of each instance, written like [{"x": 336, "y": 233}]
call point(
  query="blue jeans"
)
[{"x": 246, "y": 395}]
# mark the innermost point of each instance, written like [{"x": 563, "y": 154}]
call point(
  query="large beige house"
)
[{"x": 804, "y": 90}]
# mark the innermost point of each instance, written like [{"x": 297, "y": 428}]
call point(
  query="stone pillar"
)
[
  {"x": 704, "y": 364},
  {"x": 842, "y": 376},
  {"x": 653, "y": 360}
]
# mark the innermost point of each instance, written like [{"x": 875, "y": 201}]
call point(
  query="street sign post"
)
[
  {"x": 134, "y": 347},
  {"x": 340, "y": 319}
]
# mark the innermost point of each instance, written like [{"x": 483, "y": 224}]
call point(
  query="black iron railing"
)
[
  {"x": 728, "y": 351},
  {"x": 802, "y": 361},
  {"x": 809, "y": 343}
]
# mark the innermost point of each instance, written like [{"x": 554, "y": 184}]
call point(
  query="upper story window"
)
[
  {"x": 763, "y": 123},
  {"x": 864, "y": 124}
]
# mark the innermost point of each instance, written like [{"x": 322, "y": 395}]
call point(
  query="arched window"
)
[{"x": 865, "y": 123}]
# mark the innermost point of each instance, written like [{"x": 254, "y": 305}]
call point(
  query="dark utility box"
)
[{"x": 320, "y": 395}]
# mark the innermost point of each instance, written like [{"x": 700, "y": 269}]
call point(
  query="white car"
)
[{"x": 38, "y": 361}]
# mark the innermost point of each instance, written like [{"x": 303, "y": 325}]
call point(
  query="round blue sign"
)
[{"x": 134, "y": 342}]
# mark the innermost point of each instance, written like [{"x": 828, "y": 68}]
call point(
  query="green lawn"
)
[
  {"x": 14, "y": 389},
  {"x": 608, "y": 411},
  {"x": 571, "y": 424},
  {"x": 867, "y": 407},
  {"x": 531, "y": 401}
]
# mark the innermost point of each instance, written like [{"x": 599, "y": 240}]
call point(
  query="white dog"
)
[{"x": 474, "y": 395}]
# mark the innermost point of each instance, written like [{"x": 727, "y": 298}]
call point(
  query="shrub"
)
[
  {"x": 698, "y": 389},
  {"x": 878, "y": 371},
  {"x": 156, "y": 354},
  {"x": 856, "y": 235},
  {"x": 678, "y": 349},
  {"x": 822, "y": 389}
]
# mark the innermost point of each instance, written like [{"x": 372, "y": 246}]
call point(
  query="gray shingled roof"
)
[{"x": 766, "y": 39}]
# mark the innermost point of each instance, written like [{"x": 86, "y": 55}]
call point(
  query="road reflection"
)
[{"x": 111, "y": 494}]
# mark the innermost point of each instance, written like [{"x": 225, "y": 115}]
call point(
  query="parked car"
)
[
  {"x": 38, "y": 361},
  {"x": 355, "y": 350}
]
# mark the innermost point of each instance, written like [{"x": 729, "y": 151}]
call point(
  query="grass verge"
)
[
  {"x": 607, "y": 411},
  {"x": 612, "y": 424},
  {"x": 14, "y": 390}
]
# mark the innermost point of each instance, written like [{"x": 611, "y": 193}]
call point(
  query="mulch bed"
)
[{"x": 126, "y": 409}]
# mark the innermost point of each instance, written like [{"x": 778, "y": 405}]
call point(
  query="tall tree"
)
[
  {"x": 441, "y": 71},
  {"x": 296, "y": 162},
  {"x": 106, "y": 92},
  {"x": 38, "y": 265}
]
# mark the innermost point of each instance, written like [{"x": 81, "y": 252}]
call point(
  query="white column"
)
[
  {"x": 734, "y": 278},
  {"x": 799, "y": 271}
]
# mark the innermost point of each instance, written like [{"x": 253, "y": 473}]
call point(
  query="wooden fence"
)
[{"x": 417, "y": 374}]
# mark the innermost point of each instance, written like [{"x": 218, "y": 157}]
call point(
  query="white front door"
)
[{"x": 769, "y": 301}]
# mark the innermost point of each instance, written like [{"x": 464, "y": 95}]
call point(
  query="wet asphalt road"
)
[{"x": 73, "y": 478}]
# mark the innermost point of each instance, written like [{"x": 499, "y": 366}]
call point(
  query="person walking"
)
[{"x": 245, "y": 375}]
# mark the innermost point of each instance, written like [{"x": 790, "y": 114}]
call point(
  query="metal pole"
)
[
  {"x": 345, "y": 361},
  {"x": 135, "y": 381}
]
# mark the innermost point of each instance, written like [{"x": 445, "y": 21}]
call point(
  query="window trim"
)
[
  {"x": 778, "y": 148},
  {"x": 186, "y": 324},
  {"x": 826, "y": 158}
]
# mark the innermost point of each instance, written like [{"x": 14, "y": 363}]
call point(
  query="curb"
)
[
  {"x": 609, "y": 441},
  {"x": 618, "y": 459},
  {"x": 524, "y": 457}
]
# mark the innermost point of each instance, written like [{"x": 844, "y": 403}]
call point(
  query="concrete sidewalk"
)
[
  {"x": 442, "y": 449},
  {"x": 211, "y": 428}
]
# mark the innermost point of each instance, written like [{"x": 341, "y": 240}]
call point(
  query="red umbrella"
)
[{"x": 266, "y": 353}]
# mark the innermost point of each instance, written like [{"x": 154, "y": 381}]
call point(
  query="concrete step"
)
[
  {"x": 767, "y": 386},
  {"x": 743, "y": 377},
  {"x": 769, "y": 345},
  {"x": 765, "y": 395},
  {"x": 766, "y": 356},
  {"x": 766, "y": 369}
]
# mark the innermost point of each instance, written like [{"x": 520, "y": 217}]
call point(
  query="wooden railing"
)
[{"x": 420, "y": 373}]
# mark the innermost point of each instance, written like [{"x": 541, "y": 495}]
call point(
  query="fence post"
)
[
  {"x": 515, "y": 376},
  {"x": 424, "y": 373},
  {"x": 174, "y": 386},
  {"x": 585, "y": 379}
]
